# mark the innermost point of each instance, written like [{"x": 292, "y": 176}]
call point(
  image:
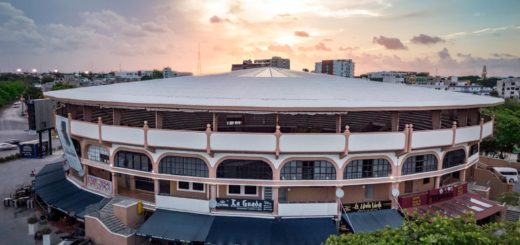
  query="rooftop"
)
[{"x": 270, "y": 89}]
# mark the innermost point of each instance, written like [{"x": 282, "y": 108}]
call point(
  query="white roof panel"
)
[{"x": 270, "y": 89}]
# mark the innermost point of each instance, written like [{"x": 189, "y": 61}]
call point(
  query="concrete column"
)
[
  {"x": 437, "y": 182},
  {"x": 116, "y": 116},
  {"x": 159, "y": 116},
  {"x": 462, "y": 118},
  {"x": 87, "y": 113},
  {"x": 156, "y": 186},
  {"x": 275, "y": 200},
  {"x": 338, "y": 123},
  {"x": 395, "y": 121},
  {"x": 85, "y": 169},
  {"x": 215, "y": 122},
  {"x": 132, "y": 182},
  {"x": 436, "y": 119},
  {"x": 114, "y": 184},
  {"x": 395, "y": 203},
  {"x": 212, "y": 191},
  {"x": 463, "y": 176}
]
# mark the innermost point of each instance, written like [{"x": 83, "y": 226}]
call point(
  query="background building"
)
[
  {"x": 509, "y": 88},
  {"x": 342, "y": 68},
  {"x": 275, "y": 61}
]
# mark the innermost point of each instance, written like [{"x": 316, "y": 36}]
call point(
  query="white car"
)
[
  {"x": 511, "y": 174},
  {"x": 7, "y": 146}
]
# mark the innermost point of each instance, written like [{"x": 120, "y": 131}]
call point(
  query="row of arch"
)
[{"x": 291, "y": 170}]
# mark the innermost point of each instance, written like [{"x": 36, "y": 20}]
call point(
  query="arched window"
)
[
  {"x": 133, "y": 160},
  {"x": 98, "y": 153},
  {"x": 473, "y": 149},
  {"x": 453, "y": 158},
  {"x": 185, "y": 166},
  {"x": 419, "y": 164},
  {"x": 367, "y": 168},
  {"x": 244, "y": 169},
  {"x": 308, "y": 170}
]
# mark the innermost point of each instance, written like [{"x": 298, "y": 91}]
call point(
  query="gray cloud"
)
[
  {"x": 426, "y": 40},
  {"x": 215, "y": 19},
  {"x": 389, "y": 42},
  {"x": 318, "y": 47},
  {"x": 301, "y": 34},
  {"x": 444, "y": 54}
]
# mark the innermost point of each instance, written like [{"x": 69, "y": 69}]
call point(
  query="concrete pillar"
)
[
  {"x": 437, "y": 182},
  {"x": 159, "y": 116},
  {"x": 462, "y": 118},
  {"x": 212, "y": 191},
  {"x": 156, "y": 186},
  {"x": 87, "y": 113},
  {"x": 215, "y": 122},
  {"x": 116, "y": 116},
  {"x": 436, "y": 119},
  {"x": 275, "y": 200},
  {"x": 132, "y": 182},
  {"x": 85, "y": 170},
  {"x": 395, "y": 203},
  {"x": 114, "y": 184},
  {"x": 395, "y": 121},
  {"x": 338, "y": 123},
  {"x": 463, "y": 176}
]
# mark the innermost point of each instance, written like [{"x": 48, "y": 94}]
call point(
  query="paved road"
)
[
  {"x": 15, "y": 126},
  {"x": 13, "y": 222}
]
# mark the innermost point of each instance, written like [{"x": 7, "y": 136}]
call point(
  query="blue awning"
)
[
  {"x": 373, "y": 220},
  {"x": 189, "y": 227},
  {"x": 54, "y": 189},
  {"x": 176, "y": 226}
]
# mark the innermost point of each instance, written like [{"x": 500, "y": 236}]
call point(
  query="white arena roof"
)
[{"x": 270, "y": 90}]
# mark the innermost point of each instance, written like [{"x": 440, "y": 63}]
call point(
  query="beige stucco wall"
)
[
  {"x": 311, "y": 194},
  {"x": 356, "y": 193},
  {"x": 418, "y": 186},
  {"x": 128, "y": 215},
  {"x": 187, "y": 194}
]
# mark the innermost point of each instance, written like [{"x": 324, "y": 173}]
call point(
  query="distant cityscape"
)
[{"x": 505, "y": 87}]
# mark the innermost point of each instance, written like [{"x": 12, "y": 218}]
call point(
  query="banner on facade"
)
[
  {"x": 66, "y": 142},
  {"x": 99, "y": 185},
  {"x": 367, "y": 206},
  {"x": 244, "y": 204}
]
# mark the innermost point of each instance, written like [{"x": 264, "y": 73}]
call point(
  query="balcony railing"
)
[{"x": 279, "y": 142}]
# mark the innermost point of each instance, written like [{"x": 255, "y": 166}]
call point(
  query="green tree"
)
[
  {"x": 156, "y": 74},
  {"x": 47, "y": 79},
  {"x": 437, "y": 230},
  {"x": 60, "y": 86},
  {"x": 32, "y": 93},
  {"x": 506, "y": 137},
  {"x": 510, "y": 198}
]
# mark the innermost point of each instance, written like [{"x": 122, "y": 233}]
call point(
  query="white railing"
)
[
  {"x": 467, "y": 134},
  {"x": 312, "y": 143},
  {"x": 284, "y": 142},
  {"x": 377, "y": 141},
  {"x": 120, "y": 134},
  {"x": 84, "y": 129},
  {"x": 432, "y": 138},
  {"x": 193, "y": 140},
  {"x": 308, "y": 209}
]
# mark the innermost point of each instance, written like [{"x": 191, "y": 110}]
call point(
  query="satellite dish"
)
[
  {"x": 395, "y": 192},
  {"x": 340, "y": 193},
  {"x": 212, "y": 203}
]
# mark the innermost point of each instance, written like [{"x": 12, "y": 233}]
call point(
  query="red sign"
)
[{"x": 432, "y": 196}]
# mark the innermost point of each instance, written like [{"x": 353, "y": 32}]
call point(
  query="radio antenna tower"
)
[{"x": 199, "y": 68}]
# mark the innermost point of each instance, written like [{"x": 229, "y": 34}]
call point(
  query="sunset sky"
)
[{"x": 450, "y": 37}]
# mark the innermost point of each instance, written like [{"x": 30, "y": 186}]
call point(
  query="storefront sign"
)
[
  {"x": 244, "y": 204},
  {"x": 367, "y": 206},
  {"x": 99, "y": 185},
  {"x": 432, "y": 196},
  {"x": 68, "y": 146}
]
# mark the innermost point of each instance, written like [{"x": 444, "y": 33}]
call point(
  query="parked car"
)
[
  {"x": 13, "y": 141},
  {"x": 510, "y": 174},
  {"x": 7, "y": 146}
]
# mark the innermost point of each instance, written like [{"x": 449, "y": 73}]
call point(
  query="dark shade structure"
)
[
  {"x": 373, "y": 220},
  {"x": 55, "y": 190},
  {"x": 176, "y": 226},
  {"x": 190, "y": 227}
]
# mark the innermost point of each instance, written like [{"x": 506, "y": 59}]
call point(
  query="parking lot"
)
[{"x": 13, "y": 225}]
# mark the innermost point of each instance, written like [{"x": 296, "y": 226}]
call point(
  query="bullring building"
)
[{"x": 264, "y": 156}]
